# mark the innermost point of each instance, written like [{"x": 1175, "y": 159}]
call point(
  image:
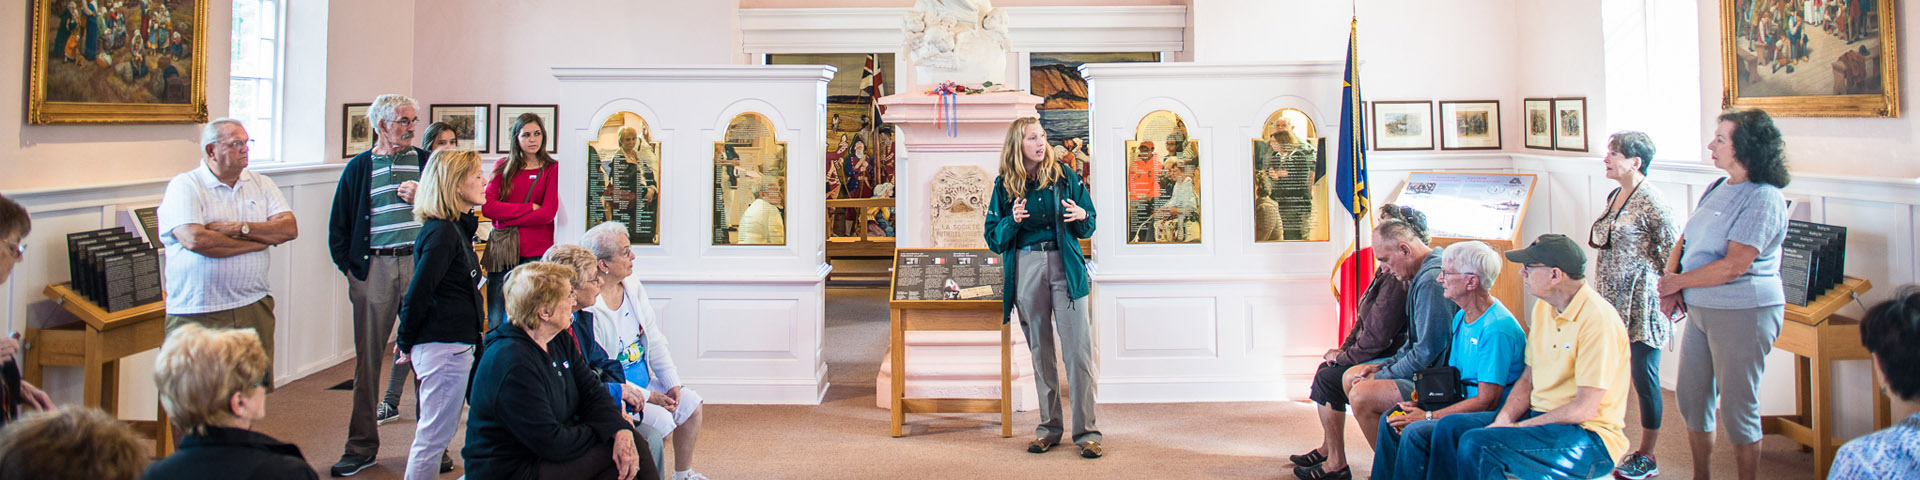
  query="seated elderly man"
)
[
  {"x": 1564, "y": 416},
  {"x": 1380, "y": 330},
  {"x": 624, "y": 341},
  {"x": 1486, "y": 353},
  {"x": 538, "y": 411},
  {"x": 1400, "y": 243},
  {"x": 213, "y": 383}
]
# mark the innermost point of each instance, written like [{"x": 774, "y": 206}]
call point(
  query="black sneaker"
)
[
  {"x": 350, "y": 464},
  {"x": 446, "y": 462},
  {"x": 385, "y": 413}
]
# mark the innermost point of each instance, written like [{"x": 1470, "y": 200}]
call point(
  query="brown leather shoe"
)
[
  {"x": 1041, "y": 445},
  {"x": 1090, "y": 449}
]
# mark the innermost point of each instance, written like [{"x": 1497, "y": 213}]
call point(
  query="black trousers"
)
[{"x": 1327, "y": 389}]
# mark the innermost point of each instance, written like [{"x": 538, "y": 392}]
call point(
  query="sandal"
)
[
  {"x": 1315, "y": 473},
  {"x": 1041, "y": 445},
  {"x": 1313, "y": 457}
]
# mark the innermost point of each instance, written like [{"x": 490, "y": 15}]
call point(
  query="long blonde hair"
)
[
  {"x": 1013, "y": 165},
  {"x": 440, "y": 184}
]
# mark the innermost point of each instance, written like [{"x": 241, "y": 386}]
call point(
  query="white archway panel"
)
[{"x": 745, "y": 320}]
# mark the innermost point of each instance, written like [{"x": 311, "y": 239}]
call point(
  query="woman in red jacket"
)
[{"x": 525, "y": 194}]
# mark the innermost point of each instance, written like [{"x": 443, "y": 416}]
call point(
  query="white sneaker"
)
[{"x": 688, "y": 475}]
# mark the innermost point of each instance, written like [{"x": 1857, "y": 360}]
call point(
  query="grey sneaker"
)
[
  {"x": 1636, "y": 467},
  {"x": 385, "y": 413}
]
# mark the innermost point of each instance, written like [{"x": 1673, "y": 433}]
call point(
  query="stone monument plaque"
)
[{"x": 959, "y": 207}]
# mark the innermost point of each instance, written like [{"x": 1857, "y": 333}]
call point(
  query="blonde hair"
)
[
  {"x": 533, "y": 286},
  {"x": 199, "y": 370},
  {"x": 73, "y": 442},
  {"x": 1013, "y": 167},
  {"x": 586, "y": 266},
  {"x": 439, "y": 197}
]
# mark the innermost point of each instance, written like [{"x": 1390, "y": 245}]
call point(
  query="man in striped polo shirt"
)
[{"x": 371, "y": 235}]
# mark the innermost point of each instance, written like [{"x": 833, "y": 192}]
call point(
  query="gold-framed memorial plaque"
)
[
  {"x": 1289, "y": 180},
  {"x": 623, "y": 177},
  {"x": 1163, "y": 182},
  {"x": 749, "y": 184}
]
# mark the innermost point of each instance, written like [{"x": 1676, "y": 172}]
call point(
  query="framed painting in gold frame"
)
[
  {"x": 1841, "y": 60},
  {"x": 137, "y": 62}
]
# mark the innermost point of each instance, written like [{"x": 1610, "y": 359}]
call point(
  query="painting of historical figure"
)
[
  {"x": 1055, "y": 78},
  {"x": 860, "y": 145},
  {"x": 749, "y": 184},
  {"x": 118, "y": 61},
  {"x": 1163, "y": 181},
  {"x": 623, "y": 177},
  {"x": 1811, "y": 57},
  {"x": 1289, "y": 180}
]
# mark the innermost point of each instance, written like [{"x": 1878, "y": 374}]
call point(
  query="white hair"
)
[
  {"x": 604, "y": 239},
  {"x": 1473, "y": 257},
  {"x": 386, "y": 107},
  {"x": 212, "y": 132}
]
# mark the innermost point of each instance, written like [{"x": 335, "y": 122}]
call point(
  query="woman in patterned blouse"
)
[{"x": 1634, "y": 236}]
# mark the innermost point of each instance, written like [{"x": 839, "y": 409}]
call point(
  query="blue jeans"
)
[
  {"x": 1545, "y": 451},
  {"x": 1406, "y": 454}
]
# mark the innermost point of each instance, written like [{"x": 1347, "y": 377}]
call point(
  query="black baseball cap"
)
[{"x": 1553, "y": 250}]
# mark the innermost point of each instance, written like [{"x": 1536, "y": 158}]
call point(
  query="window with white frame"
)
[{"x": 256, "y": 69}]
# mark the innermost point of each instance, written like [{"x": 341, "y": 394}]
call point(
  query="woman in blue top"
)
[
  {"x": 1488, "y": 349},
  {"x": 1040, "y": 210},
  {"x": 1891, "y": 330},
  {"x": 1725, "y": 275}
]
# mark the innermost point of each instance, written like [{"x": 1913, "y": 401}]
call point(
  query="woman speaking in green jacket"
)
[{"x": 1040, "y": 210}]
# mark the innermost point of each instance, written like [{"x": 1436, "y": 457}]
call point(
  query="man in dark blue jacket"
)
[{"x": 370, "y": 235}]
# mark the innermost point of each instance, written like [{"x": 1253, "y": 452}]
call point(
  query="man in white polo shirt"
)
[{"x": 216, "y": 222}]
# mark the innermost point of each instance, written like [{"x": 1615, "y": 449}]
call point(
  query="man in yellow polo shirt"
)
[{"x": 1564, "y": 415}]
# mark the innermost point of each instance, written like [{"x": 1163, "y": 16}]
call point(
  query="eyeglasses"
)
[
  {"x": 1444, "y": 275},
  {"x": 19, "y": 249},
  {"x": 1528, "y": 268},
  {"x": 405, "y": 121},
  {"x": 238, "y": 143}
]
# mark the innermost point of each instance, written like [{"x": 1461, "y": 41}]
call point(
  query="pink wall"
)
[
  {"x": 1409, "y": 49},
  {"x": 49, "y": 156},
  {"x": 909, "y": 3},
  {"x": 499, "y": 52},
  {"x": 1866, "y": 147},
  {"x": 1560, "y": 46},
  {"x": 370, "y": 51}
]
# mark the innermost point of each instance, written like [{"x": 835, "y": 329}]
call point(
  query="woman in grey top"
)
[
  {"x": 1725, "y": 275},
  {"x": 1634, "y": 237}
]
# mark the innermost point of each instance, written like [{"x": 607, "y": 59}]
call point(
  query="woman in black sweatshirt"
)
[
  {"x": 538, "y": 409},
  {"x": 441, "y": 316}
]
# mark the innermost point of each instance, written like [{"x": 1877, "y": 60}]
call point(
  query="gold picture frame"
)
[
  {"x": 1836, "y": 62},
  {"x": 165, "y": 80}
]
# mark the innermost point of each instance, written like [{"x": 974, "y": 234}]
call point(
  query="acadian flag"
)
[{"x": 1354, "y": 272}]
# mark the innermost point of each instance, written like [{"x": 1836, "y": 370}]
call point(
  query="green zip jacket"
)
[{"x": 1005, "y": 236}]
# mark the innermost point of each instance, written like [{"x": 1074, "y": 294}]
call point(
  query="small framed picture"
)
[
  {"x": 1539, "y": 118},
  {"x": 469, "y": 124},
  {"x": 1403, "y": 125},
  {"x": 1570, "y": 124},
  {"x": 508, "y": 113},
  {"x": 356, "y": 133},
  {"x": 1470, "y": 125}
]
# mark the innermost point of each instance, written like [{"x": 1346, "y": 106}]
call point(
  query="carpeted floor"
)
[{"x": 846, "y": 437}]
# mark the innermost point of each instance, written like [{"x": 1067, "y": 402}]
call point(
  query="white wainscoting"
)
[
  {"x": 314, "y": 329},
  {"x": 747, "y": 321}
]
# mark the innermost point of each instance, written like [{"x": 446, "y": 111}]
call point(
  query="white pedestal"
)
[{"x": 980, "y": 129}]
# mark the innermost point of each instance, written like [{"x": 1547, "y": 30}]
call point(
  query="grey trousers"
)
[
  {"x": 376, "y": 307},
  {"x": 1044, "y": 311},
  {"x": 1722, "y": 355},
  {"x": 257, "y": 316}
]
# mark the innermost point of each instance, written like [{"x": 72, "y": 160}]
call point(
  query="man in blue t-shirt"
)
[{"x": 1488, "y": 349}]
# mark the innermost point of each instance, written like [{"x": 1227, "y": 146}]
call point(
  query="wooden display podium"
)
[
  {"x": 1818, "y": 338},
  {"x": 947, "y": 289},
  {"x": 96, "y": 343}
]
